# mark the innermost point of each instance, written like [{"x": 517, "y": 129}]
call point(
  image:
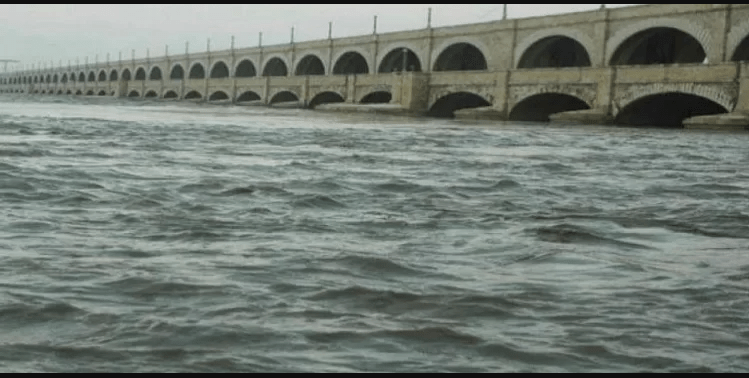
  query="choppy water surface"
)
[{"x": 150, "y": 237}]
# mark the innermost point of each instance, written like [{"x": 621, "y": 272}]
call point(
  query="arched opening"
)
[
  {"x": 351, "y": 63},
  {"x": 668, "y": 109},
  {"x": 248, "y": 96},
  {"x": 555, "y": 51},
  {"x": 193, "y": 95},
  {"x": 140, "y": 74},
  {"x": 91, "y": 77},
  {"x": 90, "y": 92},
  {"x": 310, "y": 65},
  {"x": 662, "y": 45},
  {"x": 78, "y": 92},
  {"x": 81, "y": 77},
  {"x": 219, "y": 70},
  {"x": 102, "y": 93},
  {"x": 49, "y": 77},
  {"x": 59, "y": 92},
  {"x": 325, "y": 98},
  {"x": 102, "y": 76},
  {"x": 64, "y": 78},
  {"x": 218, "y": 96},
  {"x": 113, "y": 75},
  {"x": 538, "y": 108},
  {"x": 151, "y": 94},
  {"x": 69, "y": 92},
  {"x": 43, "y": 92},
  {"x": 742, "y": 51},
  {"x": 133, "y": 93},
  {"x": 284, "y": 96},
  {"x": 379, "y": 97},
  {"x": 197, "y": 71},
  {"x": 170, "y": 95},
  {"x": 36, "y": 79},
  {"x": 126, "y": 74},
  {"x": 245, "y": 69},
  {"x": 446, "y": 106},
  {"x": 460, "y": 57},
  {"x": 275, "y": 67},
  {"x": 178, "y": 73},
  {"x": 398, "y": 60},
  {"x": 55, "y": 79},
  {"x": 155, "y": 73}
]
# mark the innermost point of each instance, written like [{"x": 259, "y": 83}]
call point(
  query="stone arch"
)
[
  {"x": 218, "y": 96},
  {"x": 245, "y": 68},
  {"x": 193, "y": 95},
  {"x": 555, "y": 52},
  {"x": 69, "y": 92},
  {"x": 113, "y": 75},
  {"x": 78, "y": 92},
  {"x": 666, "y": 109},
  {"x": 102, "y": 75},
  {"x": 720, "y": 96},
  {"x": 151, "y": 94},
  {"x": 310, "y": 64},
  {"x": 325, "y": 97},
  {"x": 102, "y": 93},
  {"x": 90, "y": 92},
  {"x": 155, "y": 73},
  {"x": 140, "y": 73},
  {"x": 586, "y": 93},
  {"x": 49, "y": 78},
  {"x": 91, "y": 77},
  {"x": 377, "y": 97},
  {"x": 698, "y": 32},
  {"x": 353, "y": 61},
  {"x": 276, "y": 65},
  {"x": 538, "y": 107},
  {"x": 460, "y": 56},
  {"x": 55, "y": 78},
  {"x": 126, "y": 76},
  {"x": 197, "y": 71},
  {"x": 446, "y": 104},
  {"x": 170, "y": 94},
  {"x": 59, "y": 92},
  {"x": 283, "y": 96},
  {"x": 584, "y": 40},
  {"x": 737, "y": 42},
  {"x": 133, "y": 93},
  {"x": 219, "y": 70},
  {"x": 248, "y": 96},
  {"x": 81, "y": 77},
  {"x": 393, "y": 61},
  {"x": 177, "y": 72}
]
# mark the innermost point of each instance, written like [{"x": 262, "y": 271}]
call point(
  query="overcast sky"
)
[{"x": 53, "y": 32}]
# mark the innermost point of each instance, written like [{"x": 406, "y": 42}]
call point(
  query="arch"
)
[
  {"x": 102, "y": 75},
  {"x": 575, "y": 35},
  {"x": 197, "y": 71},
  {"x": 283, "y": 96},
  {"x": 538, "y": 107},
  {"x": 723, "y": 96},
  {"x": 78, "y": 92},
  {"x": 91, "y": 77},
  {"x": 698, "y": 32},
  {"x": 667, "y": 109},
  {"x": 219, "y": 70},
  {"x": 378, "y": 97},
  {"x": 218, "y": 96},
  {"x": 170, "y": 95},
  {"x": 193, "y": 95},
  {"x": 446, "y": 106},
  {"x": 460, "y": 56},
  {"x": 248, "y": 96},
  {"x": 140, "y": 73},
  {"x": 69, "y": 92},
  {"x": 43, "y": 92},
  {"x": 350, "y": 63},
  {"x": 660, "y": 45},
  {"x": 155, "y": 73},
  {"x": 275, "y": 67},
  {"x": 113, "y": 75},
  {"x": 59, "y": 91},
  {"x": 126, "y": 74},
  {"x": 49, "y": 78},
  {"x": 81, "y": 77},
  {"x": 400, "y": 59},
  {"x": 133, "y": 93},
  {"x": 102, "y": 93},
  {"x": 90, "y": 92},
  {"x": 737, "y": 42},
  {"x": 178, "y": 73},
  {"x": 310, "y": 65},
  {"x": 36, "y": 79},
  {"x": 741, "y": 52},
  {"x": 325, "y": 98},
  {"x": 55, "y": 79},
  {"x": 151, "y": 94},
  {"x": 245, "y": 68},
  {"x": 555, "y": 51}
]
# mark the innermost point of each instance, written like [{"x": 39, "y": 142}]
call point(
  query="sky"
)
[{"x": 50, "y": 33}]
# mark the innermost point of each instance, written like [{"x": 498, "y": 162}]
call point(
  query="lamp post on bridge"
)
[
  {"x": 374, "y": 28},
  {"x": 504, "y": 11}
]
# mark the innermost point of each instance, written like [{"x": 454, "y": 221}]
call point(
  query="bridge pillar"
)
[
  {"x": 351, "y": 89},
  {"x": 742, "y": 102},
  {"x": 415, "y": 91}
]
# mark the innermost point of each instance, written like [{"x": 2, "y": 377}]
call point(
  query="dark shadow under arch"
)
[
  {"x": 742, "y": 51},
  {"x": 460, "y": 57},
  {"x": 133, "y": 93},
  {"x": 325, "y": 98},
  {"x": 248, "y": 96},
  {"x": 351, "y": 63},
  {"x": 310, "y": 65},
  {"x": 660, "y": 45},
  {"x": 193, "y": 95},
  {"x": 102, "y": 93},
  {"x": 151, "y": 94},
  {"x": 554, "y": 52},
  {"x": 284, "y": 96},
  {"x": 219, "y": 70},
  {"x": 91, "y": 77},
  {"x": 399, "y": 60},
  {"x": 218, "y": 95},
  {"x": 667, "y": 109},
  {"x": 155, "y": 74},
  {"x": 446, "y": 106},
  {"x": 197, "y": 71},
  {"x": 81, "y": 77},
  {"x": 245, "y": 68},
  {"x": 102, "y": 76},
  {"x": 78, "y": 92},
  {"x": 126, "y": 74},
  {"x": 90, "y": 92},
  {"x": 140, "y": 74},
  {"x": 378, "y": 97},
  {"x": 178, "y": 73},
  {"x": 113, "y": 75},
  {"x": 539, "y": 107},
  {"x": 171, "y": 94},
  {"x": 275, "y": 67}
]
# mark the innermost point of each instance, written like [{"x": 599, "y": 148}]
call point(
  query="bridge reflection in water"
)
[{"x": 665, "y": 64}]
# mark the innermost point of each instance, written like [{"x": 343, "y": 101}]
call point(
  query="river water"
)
[{"x": 169, "y": 237}]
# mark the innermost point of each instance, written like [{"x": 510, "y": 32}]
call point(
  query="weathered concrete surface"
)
[
  {"x": 481, "y": 113},
  {"x": 600, "y": 116},
  {"x": 393, "y": 109},
  {"x": 731, "y": 121}
]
